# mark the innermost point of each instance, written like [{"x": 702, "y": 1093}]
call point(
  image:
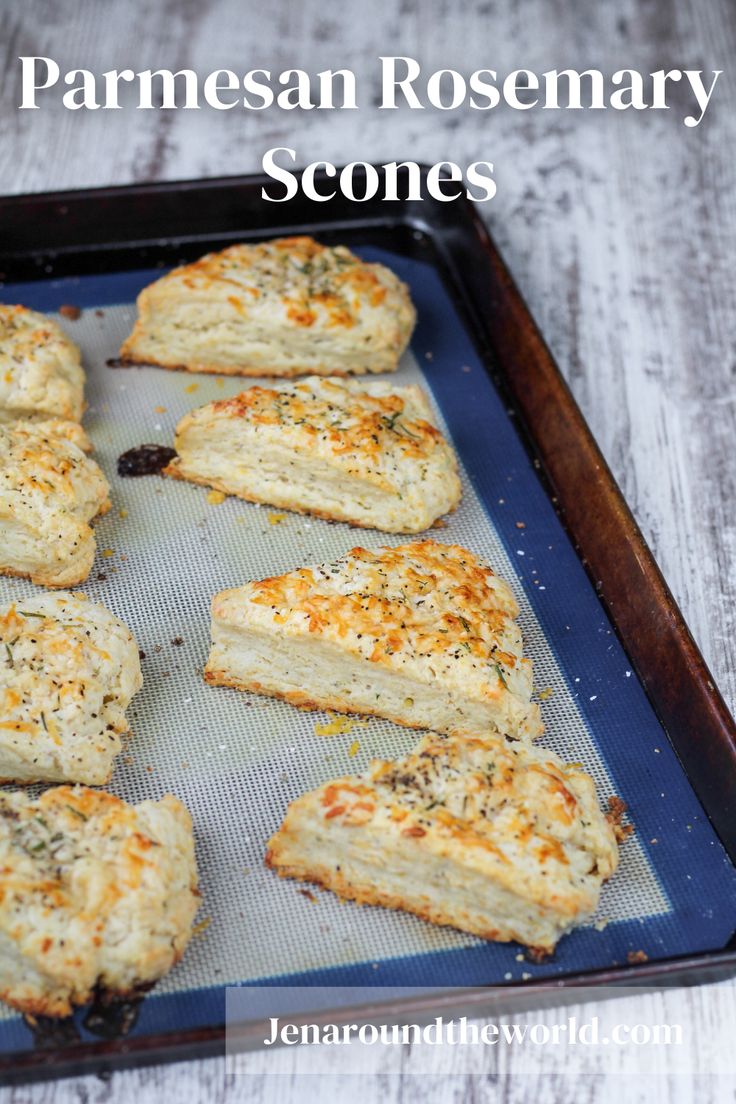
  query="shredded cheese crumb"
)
[
  {"x": 215, "y": 498},
  {"x": 202, "y": 925},
  {"x": 192, "y": 388},
  {"x": 276, "y": 519},
  {"x": 338, "y": 726}
]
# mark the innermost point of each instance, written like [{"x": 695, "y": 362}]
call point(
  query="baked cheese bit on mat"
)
[
  {"x": 423, "y": 634},
  {"x": 289, "y": 307},
  {"x": 363, "y": 452},
  {"x": 491, "y": 836},
  {"x": 68, "y": 670},
  {"x": 49, "y": 493},
  {"x": 98, "y": 896},
  {"x": 41, "y": 375}
]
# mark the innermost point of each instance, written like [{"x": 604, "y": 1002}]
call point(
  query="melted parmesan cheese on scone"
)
[
  {"x": 287, "y": 307},
  {"x": 481, "y": 833},
  {"x": 49, "y": 492},
  {"x": 423, "y": 634},
  {"x": 365, "y": 453},
  {"x": 97, "y": 896},
  {"x": 68, "y": 670},
  {"x": 41, "y": 376}
]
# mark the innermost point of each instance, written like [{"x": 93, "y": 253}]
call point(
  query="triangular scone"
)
[
  {"x": 49, "y": 492},
  {"x": 495, "y": 837},
  {"x": 68, "y": 670},
  {"x": 423, "y": 634},
  {"x": 288, "y": 307},
  {"x": 362, "y": 452},
  {"x": 41, "y": 375},
  {"x": 98, "y": 896}
]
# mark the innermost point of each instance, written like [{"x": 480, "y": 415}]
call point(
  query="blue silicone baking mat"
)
[{"x": 237, "y": 760}]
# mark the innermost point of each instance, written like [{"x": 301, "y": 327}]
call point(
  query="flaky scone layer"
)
[
  {"x": 41, "y": 375},
  {"x": 49, "y": 493},
  {"x": 287, "y": 307},
  {"x": 423, "y": 634},
  {"x": 362, "y": 452},
  {"x": 481, "y": 833},
  {"x": 98, "y": 896},
  {"x": 68, "y": 670}
]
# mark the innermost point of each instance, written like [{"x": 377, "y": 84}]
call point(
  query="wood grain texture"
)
[{"x": 620, "y": 230}]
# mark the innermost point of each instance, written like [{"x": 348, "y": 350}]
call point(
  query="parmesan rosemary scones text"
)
[
  {"x": 491, "y": 836},
  {"x": 68, "y": 670},
  {"x": 49, "y": 492},
  {"x": 362, "y": 452},
  {"x": 288, "y": 307},
  {"x": 98, "y": 896},
  {"x": 423, "y": 634}
]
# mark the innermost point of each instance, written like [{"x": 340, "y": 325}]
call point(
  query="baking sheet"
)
[{"x": 236, "y": 760}]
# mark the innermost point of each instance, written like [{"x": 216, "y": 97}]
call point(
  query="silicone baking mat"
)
[{"x": 237, "y": 760}]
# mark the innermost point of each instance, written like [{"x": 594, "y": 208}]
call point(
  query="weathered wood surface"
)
[{"x": 621, "y": 231}]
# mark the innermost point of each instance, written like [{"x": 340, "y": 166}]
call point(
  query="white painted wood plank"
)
[{"x": 621, "y": 232}]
